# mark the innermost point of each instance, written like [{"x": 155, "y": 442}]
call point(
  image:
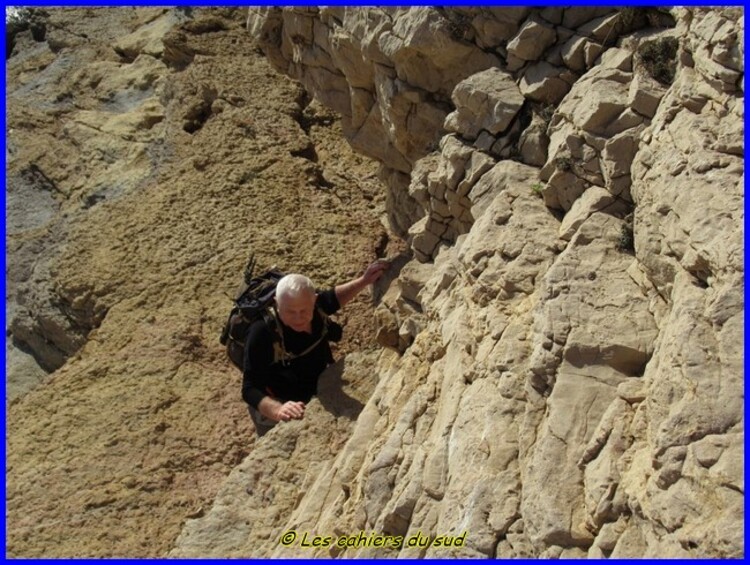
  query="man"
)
[{"x": 277, "y": 391}]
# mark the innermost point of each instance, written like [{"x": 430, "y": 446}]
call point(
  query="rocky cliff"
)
[
  {"x": 566, "y": 368},
  {"x": 561, "y": 371}
]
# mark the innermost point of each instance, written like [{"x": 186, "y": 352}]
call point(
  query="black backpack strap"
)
[{"x": 279, "y": 348}]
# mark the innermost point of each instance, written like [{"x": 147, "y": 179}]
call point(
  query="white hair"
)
[{"x": 294, "y": 285}]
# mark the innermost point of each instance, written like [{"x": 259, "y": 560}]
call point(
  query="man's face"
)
[{"x": 296, "y": 312}]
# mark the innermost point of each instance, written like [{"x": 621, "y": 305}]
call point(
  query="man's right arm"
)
[{"x": 257, "y": 369}]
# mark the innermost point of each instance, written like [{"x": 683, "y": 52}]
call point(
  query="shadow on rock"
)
[
  {"x": 332, "y": 395},
  {"x": 391, "y": 274}
]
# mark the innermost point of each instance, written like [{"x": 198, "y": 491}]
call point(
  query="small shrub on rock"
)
[
  {"x": 626, "y": 243},
  {"x": 563, "y": 163},
  {"x": 659, "y": 59}
]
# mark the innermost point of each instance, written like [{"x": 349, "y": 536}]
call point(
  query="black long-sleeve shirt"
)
[{"x": 299, "y": 379}]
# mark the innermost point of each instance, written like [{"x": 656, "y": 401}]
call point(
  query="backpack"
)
[{"x": 255, "y": 302}]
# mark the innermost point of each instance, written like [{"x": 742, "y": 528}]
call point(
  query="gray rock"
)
[
  {"x": 581, "y": 369},
  {"x": 576, "y": 17},
  {"x": 645, "y": 94},
  {"x": 532, "y": 40},
  {"x": 595, "y": 199},
  {"x": 496, "y": 26},
  {"x": 487, "y": 101},
  {"x": 534, "y": 142},
  {"x": 601, "y": 29},
  {"x": 577, "y": 53},
  {"x": 596, "y": 100},
  {"x": 543, "y": 83},
  {"x": 617, "y": 159}
]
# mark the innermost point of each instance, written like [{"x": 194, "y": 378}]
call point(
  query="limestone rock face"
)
[{"x": 565, "y": 373}]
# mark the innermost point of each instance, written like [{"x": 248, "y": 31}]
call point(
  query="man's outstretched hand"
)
[
  {"x": 375, "y": 270},
  {"x": 347, "y": 291}
]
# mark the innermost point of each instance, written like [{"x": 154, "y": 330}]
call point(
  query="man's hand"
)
[
  {"x": 278, "y": 412},
  {"x": 290, "y": 410},
  {"x": 375, "y": 270},
  {"x": 347, "y": 291}
]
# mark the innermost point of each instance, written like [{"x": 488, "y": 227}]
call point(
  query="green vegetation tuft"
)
[
  {"x": 563, "y": 163},
  {"x": 659, "y": 58},
  {"x": 626, "y": 243}
]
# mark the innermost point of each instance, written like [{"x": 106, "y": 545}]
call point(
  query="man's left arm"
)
[{"x": 347, "y": 291}]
